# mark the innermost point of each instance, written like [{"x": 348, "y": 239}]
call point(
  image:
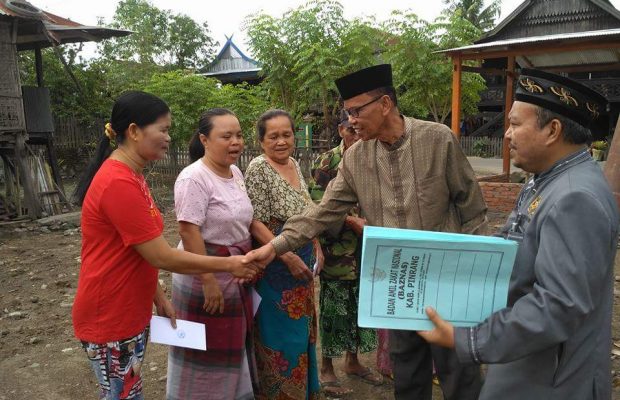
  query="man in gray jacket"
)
[{"x": 553, "y": 339}]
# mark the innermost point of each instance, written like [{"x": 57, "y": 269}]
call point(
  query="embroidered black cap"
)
[
  {"x": 564, "y": 96},
  {"x": 364, "y": 80}
]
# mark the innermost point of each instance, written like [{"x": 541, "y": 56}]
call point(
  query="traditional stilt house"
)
[
  {"x": 25, "y": 113},
  {"x": 565, "y": 19},
  {"x": 232, "y": 66},
  {"x": 577, "y": 38}
]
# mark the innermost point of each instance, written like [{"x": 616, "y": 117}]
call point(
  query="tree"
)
[
  {"x": 422, "y": 76},
  {"x": 160, "y": 37},
  {"x": 188, "y": 95},
  {"x": 120, "y": 75},
  {"x": 190, "y": 44},
  {"x": 305, "y": 50},
  {"x": 475, "y": 12},
  {"x": 147, "y": 42},
  {"x": 274, "y": 53},
  {"x": 85, "y": 99},
  {"x": 248, "y": 102}
]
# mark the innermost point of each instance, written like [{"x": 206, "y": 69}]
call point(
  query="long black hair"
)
[
  {"x": 205, "y": 126},
  {"x": 132, "y": 107}
]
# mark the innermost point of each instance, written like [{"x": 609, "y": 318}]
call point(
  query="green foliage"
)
[
  {"x": 160, "y": 37},
  {"x": 248, "y": 102},
  {"x": 302, "y": 53},
  {"x": 118, "y": 76},
  {"x": 190, "y": 45},
  {"x": 162, "y": 41},
  {"x": 87, "y": 99},
  {"x": 481, "y": 147},
  {"x": 188, "y": 95},
  {"x": 475, "y": 12},
  {"x": 422, "y": 76},
  {"x": 147, "y": 42},
  {"x": 274, "y": 53},
  {"x": 305, "y": 50}
]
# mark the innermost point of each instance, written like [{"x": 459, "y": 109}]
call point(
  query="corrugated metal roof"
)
[
  {"x": 573, "y": 58},
  {"x": 25, "y": 10},
  {"x": 499, "y": 45},
  {"x": 569, "y": 12},
  {"x": 41, "y": 28},
  {"x": 239, "y": 71},
  {"x": 560, "y": 58},
  {"x": 19, "y": 8}
]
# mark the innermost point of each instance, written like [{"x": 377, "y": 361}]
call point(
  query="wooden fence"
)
[
  {"x": 482, "y": 146},
  {"x": 69, "y": 132},
  {"x": 177, "y": 158},
  {"x": 72, "y": 135}
]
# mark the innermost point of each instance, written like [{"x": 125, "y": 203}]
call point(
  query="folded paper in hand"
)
[{"x": 189, "y": 334}]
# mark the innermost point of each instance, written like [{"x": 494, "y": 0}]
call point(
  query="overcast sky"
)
[{"x": 225, "y": 17}]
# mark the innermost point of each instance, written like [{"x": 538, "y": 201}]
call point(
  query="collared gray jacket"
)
[{"x": 553, "y": 339}]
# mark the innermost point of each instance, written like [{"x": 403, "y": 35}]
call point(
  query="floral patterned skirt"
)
[
  {"x": 117, "y": 366},
  {"x": 338, "y": 328},
  {"x": 285, "y": 334}
]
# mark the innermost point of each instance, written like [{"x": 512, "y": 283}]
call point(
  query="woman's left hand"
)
[
  {"x": 165, "y": 308},
  {"x": 320, "y": 258}
]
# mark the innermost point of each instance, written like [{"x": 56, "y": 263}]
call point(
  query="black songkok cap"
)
[
  {"x": 564, "y": 96},
  {"x": 364, "y": 80}
]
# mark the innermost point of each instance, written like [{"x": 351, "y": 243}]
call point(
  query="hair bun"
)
[{"x": 109, "y": 132}]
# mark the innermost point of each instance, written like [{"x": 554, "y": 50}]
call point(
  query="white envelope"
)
[
  {"x": 191, "y": 335},
  {"x": 256, "y": 299}
]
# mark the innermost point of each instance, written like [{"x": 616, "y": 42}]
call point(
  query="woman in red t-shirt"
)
[{"x": 123, "y": 247}]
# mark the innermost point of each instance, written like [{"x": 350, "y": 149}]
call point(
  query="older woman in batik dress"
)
[{"x": 285, "y": 333}]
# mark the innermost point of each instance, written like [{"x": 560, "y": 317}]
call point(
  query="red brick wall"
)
[
  {"x": 500, "y": 197},
  {"x": 494, "y": 178}
]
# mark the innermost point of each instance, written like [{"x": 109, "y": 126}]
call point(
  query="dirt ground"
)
[{"x": 40, "y": 358}]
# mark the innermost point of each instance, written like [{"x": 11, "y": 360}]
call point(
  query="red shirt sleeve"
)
[{"x": 128, "y": 205}]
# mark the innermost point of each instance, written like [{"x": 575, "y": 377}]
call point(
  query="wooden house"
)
[
  {"x": 232, "y": 66},
  {"x": 575, "y": 37},
  {"x": 25, "y": 113}
]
